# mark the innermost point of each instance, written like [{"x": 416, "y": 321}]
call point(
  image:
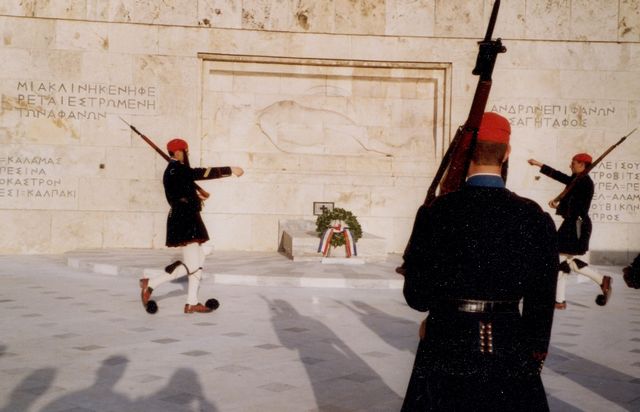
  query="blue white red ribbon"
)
[{"x": 349, "y": 242}]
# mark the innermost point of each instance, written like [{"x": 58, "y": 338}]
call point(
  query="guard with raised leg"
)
[
  {"x": 185, "y": 228},
  {"x": 575, "y": 231}
]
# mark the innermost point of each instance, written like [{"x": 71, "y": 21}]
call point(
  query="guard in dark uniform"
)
[
  {"x": 483, "y": 262},
  {"x": 575, "y": 231},
  {"x": 631, "y": 273},
  {"x": 185, "y": 227}
]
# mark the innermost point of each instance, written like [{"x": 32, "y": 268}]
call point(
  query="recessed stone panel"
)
[{"x": 315, "y": 127}]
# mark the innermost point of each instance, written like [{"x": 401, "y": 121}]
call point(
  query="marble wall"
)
[{"x": 340, "y": 101}]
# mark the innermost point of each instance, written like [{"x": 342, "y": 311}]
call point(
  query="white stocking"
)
[
  {"x": 586, "y": 271},
  {"x": 561, "y": 287},
  {"x": 193, "y": 258}
]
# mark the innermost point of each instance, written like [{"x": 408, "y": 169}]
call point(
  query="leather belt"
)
[{"x": 484, "y": 306}]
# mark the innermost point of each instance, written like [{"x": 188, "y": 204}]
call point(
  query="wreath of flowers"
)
[{"x": 323, "y": 222}]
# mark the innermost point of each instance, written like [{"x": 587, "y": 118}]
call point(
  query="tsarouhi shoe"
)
[
  {"x": 561, "y": 305},
  {"x": 199, "y": 308},
  {"x": 145, "y": 294},
  {"x": 606, "y": 291}
]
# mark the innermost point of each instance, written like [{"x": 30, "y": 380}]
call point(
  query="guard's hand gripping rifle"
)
[
  {"x": 455, "y": 162},
  {"x": 202, "y": 194},
  {"x": 556, "y": 200}
]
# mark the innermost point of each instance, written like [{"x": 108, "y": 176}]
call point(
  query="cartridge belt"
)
[{"x": 483, "y": 306}]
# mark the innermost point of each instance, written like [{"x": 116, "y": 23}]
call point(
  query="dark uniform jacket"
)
[
  {"x": 631, "y": 273},
  {"x": 184, "y": 223},
  {"x": 575, "y": 231},
  {"x": 481, "y": 243}
]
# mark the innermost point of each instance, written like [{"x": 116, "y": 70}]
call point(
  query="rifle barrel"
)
[{"x": 165, "y": 156}]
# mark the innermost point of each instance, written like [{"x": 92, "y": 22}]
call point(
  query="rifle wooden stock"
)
[
  {"x": 556, "y": 200},
  {"x": 201, "y": 192},
  {"x": 452, "y": 172},
  {"x": 464, "y": 141}
]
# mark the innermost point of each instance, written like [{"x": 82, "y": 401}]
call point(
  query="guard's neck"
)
[{"x": 475, "y": 169}]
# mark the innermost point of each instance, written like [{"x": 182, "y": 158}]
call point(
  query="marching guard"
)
[
  {"x": 575, "y": 231},
  {"x": 185, "y": 228}
]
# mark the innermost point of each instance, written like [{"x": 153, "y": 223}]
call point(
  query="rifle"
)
[
  {"x": 556, "y": 200},
  {"x": 455, "y": 161},
  {"x": 203, "y": 194}
]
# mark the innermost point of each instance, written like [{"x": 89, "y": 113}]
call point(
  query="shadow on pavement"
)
[{"x": 340, "y": 378}]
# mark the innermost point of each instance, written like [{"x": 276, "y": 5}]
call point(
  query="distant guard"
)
[{"x": 575, "y": 231}]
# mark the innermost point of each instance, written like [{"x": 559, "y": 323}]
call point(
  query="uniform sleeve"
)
[
  {"x": 555, "y": 174},
  {"x": 416, "y": 288},
  {"x": 538, "y": 303},
  {"x": 208, "y": 173}
]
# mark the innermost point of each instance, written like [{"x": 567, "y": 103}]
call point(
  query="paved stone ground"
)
[{"x": 74, "y": 337}]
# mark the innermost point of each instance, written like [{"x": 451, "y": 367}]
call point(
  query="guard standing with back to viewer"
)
[
  {"x": 185, "y": 227},
  {"x": 575, "y": 231},
  {"x": 475, "y": 256},
  {"x": 631, "y": 273}
]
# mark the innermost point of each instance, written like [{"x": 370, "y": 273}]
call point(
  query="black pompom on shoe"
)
[
  {"x": 152, "y": 307},
  {"x": 212, "y": 304},
  {"x": 602, "y": 300}
]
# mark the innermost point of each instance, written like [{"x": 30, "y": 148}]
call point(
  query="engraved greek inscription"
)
[
  {"x": 617, "y": 192},
  {"x": 82, "y": 101},
  {"x": 553, "y": 115},
  {"x": 32, "y": 177}
]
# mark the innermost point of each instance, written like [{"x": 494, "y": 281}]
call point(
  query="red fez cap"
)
[
  {"x": 583, "y": 158},
  {"x": 177, "y": 144},
  {"x": 494, "y": 128}
]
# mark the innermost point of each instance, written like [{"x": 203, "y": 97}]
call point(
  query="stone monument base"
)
[{"x": 299, "y": 241}]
